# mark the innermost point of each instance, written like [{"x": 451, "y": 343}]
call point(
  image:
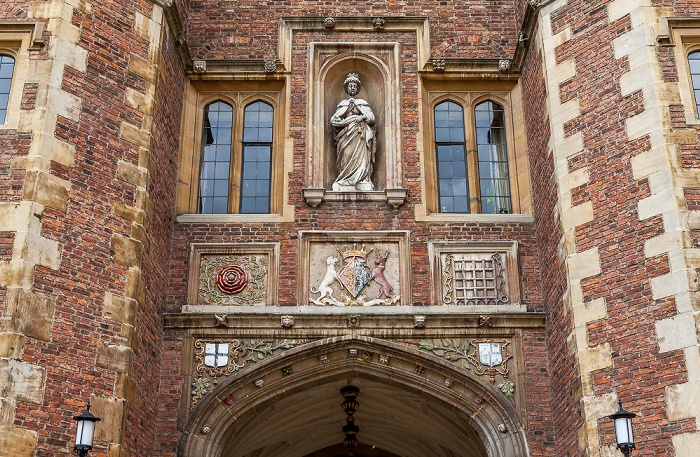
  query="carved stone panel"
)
[
  {"x": 233, "y": 274},
  {"x": 475, "y": 273},
  {"x": 342, "y": 268}
]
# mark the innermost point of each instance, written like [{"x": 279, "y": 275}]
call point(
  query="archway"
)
[{"x": 411, "y": 404}]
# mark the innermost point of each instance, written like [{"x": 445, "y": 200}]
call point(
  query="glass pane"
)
[
  {"x": 442, "y": 135},
  {"x": 457, "y": 135},
  {"x": 250, "y": 135},
  {"x": 220, "y": 188},
  {"x": 263, "y": 170},
  {"x": 694, "y": 66},
  {"x": 220, "y": 205},
  {"x": 445, "y": 169},
  {"x": 266, "y": 118},
  {"x": 264, "y": 153},
  {"x": 458, "y": 170},
  {"x": 248, "y": 188},
  {"x": 262, "y": 187},
  {"x": 205, "y": 205},
  {"x": 247, "y": 205},
  {"x": 485, "y": 170},
  {"x": 223, "y": 152},
  {"x": 442, "y": 118},
  {"x": 251, "y": 119},
  {"x": 446, "y": 187},
  {"x": 262, "y": 205},
  {"x": 444, "y": 153},
  {"x": 221, "y": 172},
  {"x": 265, "y": 135},
  {"x": 7, "y": 66},
  {"x": 461, "y": 205},
  {"x": 249, "y": 171},
  {"x": 446, "y": 205},
  {"x": 483, "y": 118},
  {"x": 488, "y": 205},
  {"x": 459, "y": 186}
]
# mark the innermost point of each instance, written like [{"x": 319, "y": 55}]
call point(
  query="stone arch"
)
[{"x": 261, "y": 421}]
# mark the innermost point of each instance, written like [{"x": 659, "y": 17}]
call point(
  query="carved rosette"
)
[{"x": 233, "y": 279}]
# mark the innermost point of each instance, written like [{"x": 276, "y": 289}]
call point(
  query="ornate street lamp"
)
[
  {"x": 83, "y": 435},
  {"x": 623, "y": 430}
]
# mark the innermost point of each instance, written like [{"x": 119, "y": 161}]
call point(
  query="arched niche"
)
[
  {"x": 377, "y": 67},
  {"x": 406, "y": 406}
]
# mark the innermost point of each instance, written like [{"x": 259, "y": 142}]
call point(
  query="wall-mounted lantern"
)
[
  {"x": 84, "y": 433},
  {"x": 623, "y": 430}
]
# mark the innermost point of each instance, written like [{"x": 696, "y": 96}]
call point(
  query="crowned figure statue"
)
[{"x": 355, "y": 140}]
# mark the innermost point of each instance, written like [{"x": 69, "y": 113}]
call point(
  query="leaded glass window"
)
[
  {"x": 7, "y": 67},
  {"x": 694, "y": 64},
  {"x": 215, "y": 164},
  {"x": 257, "y": 154},
  {"x": 494, "y": 179},
  {"x": 453, "y": 190}
]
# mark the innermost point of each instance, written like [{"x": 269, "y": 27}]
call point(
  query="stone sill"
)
[
  {"x": 465, "y": 218},
  {"x": 230, "y": 218},
  {"x": 393, "y": 197}
]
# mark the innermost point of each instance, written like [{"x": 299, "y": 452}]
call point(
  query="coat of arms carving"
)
[{"x": 354, "y": 277}]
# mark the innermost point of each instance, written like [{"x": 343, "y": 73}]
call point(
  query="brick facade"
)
[{"x": 95, "y": 251}]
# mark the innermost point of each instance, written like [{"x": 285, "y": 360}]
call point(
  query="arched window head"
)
[
  {"x": 694, "y": 65},
  {"x": 494, "y": 179},
  {"x": 7, "y": 68},
  {"x": 257, "y": 155},
  {"x": 215, "y": 160},
  {"x": 450, "y": 147}
]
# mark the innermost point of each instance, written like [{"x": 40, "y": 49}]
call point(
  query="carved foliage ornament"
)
[
  {"x": 216, "y": 358},
  {"x": 233, "y": 279},
  {"x": 487, "y": 357}
]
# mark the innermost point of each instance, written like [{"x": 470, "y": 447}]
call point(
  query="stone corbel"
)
[{"x": 394, "y": 197}]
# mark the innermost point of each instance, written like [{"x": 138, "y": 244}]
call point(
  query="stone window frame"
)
[
  {"x": 508, "y": 251},
  {"x": 18, "y": 39},
  {"x": 469, "y": 94},
  {"x": 238, "y": 94},
  {"x": 683, "y": 34}
]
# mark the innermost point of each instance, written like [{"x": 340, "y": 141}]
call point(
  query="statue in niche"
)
[{"x": 355, "y": 140}]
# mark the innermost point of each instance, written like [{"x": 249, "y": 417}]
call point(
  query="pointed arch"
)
[{"x": 273, "y": 416}]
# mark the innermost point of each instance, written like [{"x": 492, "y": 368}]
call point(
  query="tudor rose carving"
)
[{"x": 355, "y": 139}]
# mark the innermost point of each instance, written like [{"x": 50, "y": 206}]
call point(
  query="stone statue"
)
[{"x": 355, "y": 140}]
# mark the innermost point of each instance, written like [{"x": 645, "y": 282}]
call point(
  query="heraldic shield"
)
[{"x": 356, "y": 274}]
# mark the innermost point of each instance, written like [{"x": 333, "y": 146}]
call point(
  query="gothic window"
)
[
  {"x": 494, "y": 180},
  {"x": 472, "y": 166},
  {"x": 257, "y": 152},
  {"x": 215, "y": 160},
  {"x": 451, "y": 151},
  {"x": 235, "y": 179},
  {"x": 694, "y": 64},
  {"x": 7, "y": 66}
]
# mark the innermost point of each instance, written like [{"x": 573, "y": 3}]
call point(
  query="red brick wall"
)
[{"x": 87, "y": 271}]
